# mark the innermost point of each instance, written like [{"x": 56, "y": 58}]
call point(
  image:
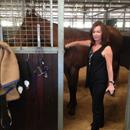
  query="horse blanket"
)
[{"x": 9, "y": 72}]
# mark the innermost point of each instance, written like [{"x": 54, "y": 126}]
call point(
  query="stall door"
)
[{"x": 31, "y": 28}]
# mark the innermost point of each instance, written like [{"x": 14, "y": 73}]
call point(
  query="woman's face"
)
[{"x": 97, "y": 34}]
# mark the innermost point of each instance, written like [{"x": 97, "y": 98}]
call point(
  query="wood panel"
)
[{"x": 37, "y": 107}]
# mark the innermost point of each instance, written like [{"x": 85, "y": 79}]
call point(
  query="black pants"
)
[{"x": 97, "y": 92}]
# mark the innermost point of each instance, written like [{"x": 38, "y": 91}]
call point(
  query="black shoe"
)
[
  {"x": 101, "y": 125},
  {"x": 94, "y": 128}
]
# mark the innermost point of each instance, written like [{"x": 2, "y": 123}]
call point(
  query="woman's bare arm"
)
[
  {"x": 109, "y": 57},
  {"x": 82, "y": 43}
]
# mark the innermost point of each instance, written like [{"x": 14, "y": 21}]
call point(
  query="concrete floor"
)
[{"x": 114, "y": 106}]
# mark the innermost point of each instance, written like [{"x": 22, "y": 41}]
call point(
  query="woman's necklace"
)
[{"x": 96, "y": 47}]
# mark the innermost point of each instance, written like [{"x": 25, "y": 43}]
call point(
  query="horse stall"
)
[{"x": 27, "y": 26}]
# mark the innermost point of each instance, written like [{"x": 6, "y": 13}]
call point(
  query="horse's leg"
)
[
  {"x": 116, "y": 70},
  {"x": 72, "y": 77},
  {"x": 5, "y": 116}
]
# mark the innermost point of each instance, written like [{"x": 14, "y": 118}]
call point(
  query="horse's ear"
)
[
  {"x": 33, "y": 11},
  {"x": 27, "y": 13}
]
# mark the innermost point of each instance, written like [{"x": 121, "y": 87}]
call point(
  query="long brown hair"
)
[{"x": 105, "y": 36}]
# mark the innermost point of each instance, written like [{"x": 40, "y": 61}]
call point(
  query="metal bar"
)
[
  {"x": 60, "y": 62},
  {"x": 112, "y": 10},
  {"x": 1, "y": 33},
  {"x": 29, "y": 50},
  {"x": 127, "y": 113},
  {"x": 38, "y": 36},
  {"x": 124, "y": 19},
  {"x": 90, "y": 2},
  {"x": 51, "y": 22}
]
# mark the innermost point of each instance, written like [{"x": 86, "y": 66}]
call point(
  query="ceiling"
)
[{"x": 74, "y": 10}]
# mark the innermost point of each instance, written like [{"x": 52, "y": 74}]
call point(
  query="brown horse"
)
[{"x": 74, "y": 57}]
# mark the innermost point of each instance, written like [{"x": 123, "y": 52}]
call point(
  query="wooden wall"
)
[{"x": 38, "y": 105}]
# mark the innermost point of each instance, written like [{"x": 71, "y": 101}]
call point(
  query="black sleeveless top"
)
[{"x": 96, "y": 67}]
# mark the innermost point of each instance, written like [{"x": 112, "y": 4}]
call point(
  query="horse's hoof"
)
[
  {"x": 71, "y": 111},
  {"x": 71, "y": 105},
  {"x": 68, "y": 105},
  {"x": 71, "y": 108}
]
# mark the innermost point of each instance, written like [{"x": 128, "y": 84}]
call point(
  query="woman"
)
[{"x": 99, "y": 70}]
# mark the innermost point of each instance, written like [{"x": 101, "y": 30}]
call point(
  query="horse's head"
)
[{"x": 27, "y": 33}]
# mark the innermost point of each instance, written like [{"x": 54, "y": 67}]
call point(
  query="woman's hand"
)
[
  {"x": 110, "y": 89},
  {"x": 67, "y": 45}
]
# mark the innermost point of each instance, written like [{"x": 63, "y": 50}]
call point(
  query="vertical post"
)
[
  {"x": 60, "y": 62},
  {"x": 106, "y": 15},
  {"x": 51, "y": 22},
  {"x": 127, "y": 112},
  {"x": 92, "y": 13},
  {"x": 72, "y": 22},
  {"x": 1, "y": 33},
  {"x": 124, "y": 19},
  {"x": 38, "y": 35},
  {"x": 84, "y": 13}
]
